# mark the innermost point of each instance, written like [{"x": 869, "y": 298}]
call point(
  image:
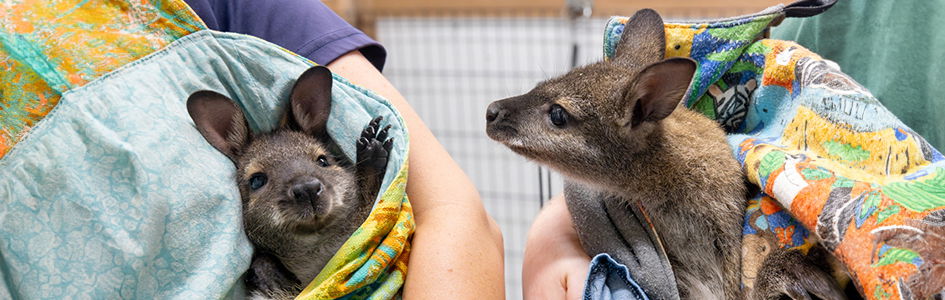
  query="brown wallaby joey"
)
[
  {"x": 631, "y": 156},
  {"x": 301, "y": 199},
  {"x": 614, "y": 127}
]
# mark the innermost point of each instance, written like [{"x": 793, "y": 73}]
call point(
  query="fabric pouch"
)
[{"x": 108, "y": 190}]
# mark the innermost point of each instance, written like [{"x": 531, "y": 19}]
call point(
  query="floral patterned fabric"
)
[{"x": 49, "y": 47}]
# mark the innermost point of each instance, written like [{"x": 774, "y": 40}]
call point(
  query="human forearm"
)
[{"x": 457, "y": 248}]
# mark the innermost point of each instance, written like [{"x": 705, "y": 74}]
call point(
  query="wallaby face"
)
[
  {"x": 292, "y": 184},
  {"x": 289, "y": 181},
  {"x": 300, "y": 201},
  {"x": 575, "y": 122}
]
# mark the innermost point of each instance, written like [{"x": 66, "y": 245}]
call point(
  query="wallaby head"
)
[
  {"x": 290, "y": 182},
  {"x": 575, "y": 123},
  {"x": 302, "y": 198}
]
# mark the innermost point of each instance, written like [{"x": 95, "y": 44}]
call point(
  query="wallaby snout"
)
[
  {"x": 503, "y": 111},
  {"x": 505, "y": 117},
  {"x": 494, "y": 112},
  {"x": 306, "y": 191},
  {"x": 498, "y": 125}
]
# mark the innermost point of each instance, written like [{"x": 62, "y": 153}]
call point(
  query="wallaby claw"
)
[
  {"x": 267, "y": 274},
  {"x": 795, "y": 275},
  {"x": 796, "y": 292},
  {"x": 374, "y": 146},
  {"x": 389, "y": 144},
  {"x": 383, "y": 134}
]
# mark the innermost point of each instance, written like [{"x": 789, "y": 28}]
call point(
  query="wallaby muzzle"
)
[{"x": 503, "y": 116}]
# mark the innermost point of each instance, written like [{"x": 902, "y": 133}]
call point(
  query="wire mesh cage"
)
[{"x": 451, "y": 63}]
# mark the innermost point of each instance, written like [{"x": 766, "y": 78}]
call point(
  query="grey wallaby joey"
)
[
  {"x": 301, "y": 200},
  {"x": 614, "y": 129}
]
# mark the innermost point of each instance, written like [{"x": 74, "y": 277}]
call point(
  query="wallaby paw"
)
[
  {"x": 267, "y": 275},
  {"x": 374, "y": 146},
  {"x": 791, "y": 274}
]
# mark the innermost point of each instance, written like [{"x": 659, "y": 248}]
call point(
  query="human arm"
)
[
  {"x": 457, "y": 248},
  {"x": 555, "y": 265}
]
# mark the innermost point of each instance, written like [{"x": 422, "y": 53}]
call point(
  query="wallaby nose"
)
[
  {"x": 494, "y": 112},
  {"x": 306, "y": 191}
]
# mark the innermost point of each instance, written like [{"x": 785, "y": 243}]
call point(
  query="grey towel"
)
[{"x": 606, "y": 224}]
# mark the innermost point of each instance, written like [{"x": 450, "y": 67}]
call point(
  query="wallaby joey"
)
[
  {"x": 301, "y": 201},
  {"x": 614, "y": 126},
  {"x": 630, "y": 155}
]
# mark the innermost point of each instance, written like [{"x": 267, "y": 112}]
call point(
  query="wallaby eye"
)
[
  {"x": 257, "y": 180},
  {"x": 558, "y": 116},
  {"x": 323, "y": 161}
]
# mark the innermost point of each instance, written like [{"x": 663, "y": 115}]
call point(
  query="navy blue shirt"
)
[{"x": 306, "y": 27}]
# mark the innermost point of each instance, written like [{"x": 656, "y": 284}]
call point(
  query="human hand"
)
[{"x": 555, "y": 265}]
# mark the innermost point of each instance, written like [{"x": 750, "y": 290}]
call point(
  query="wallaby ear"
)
[
  {"x": 220, "y": 122},
  {"x": 643, "y": 40},
  {"x": 659, "y": 88},
  {"x": 310, "y": 102}
]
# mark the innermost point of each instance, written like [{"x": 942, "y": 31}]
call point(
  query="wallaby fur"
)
[
  {"x": 301, "y": 201},
  {"x": 625, "y": 136},
  {"x": 798, "y": 275}
]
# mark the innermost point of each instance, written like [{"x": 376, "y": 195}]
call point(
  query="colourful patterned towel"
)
[
  {"x": 108, "y": 191},
  {"x": 822, "y": 146}
]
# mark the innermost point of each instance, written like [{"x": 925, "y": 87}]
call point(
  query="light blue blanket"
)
[{"x": 608, "y": 279}]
